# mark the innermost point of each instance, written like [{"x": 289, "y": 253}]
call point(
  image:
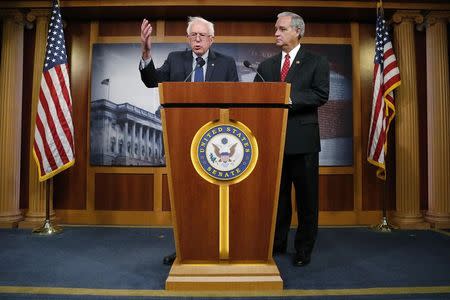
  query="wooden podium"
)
[{"x": 223, "y": 228}]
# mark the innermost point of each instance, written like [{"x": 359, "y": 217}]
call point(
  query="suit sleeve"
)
[
  {"x": 232, "y": 71},
  {"x": 151, "y": 76},
  {"x": 317, "y": 94}
]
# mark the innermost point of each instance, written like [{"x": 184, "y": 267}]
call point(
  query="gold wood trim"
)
[
  {"x": 90, "y": 174},
  {"x": 224, "y": 277},
  {"x": 279, "y": 167},
  {"x": 221, "y": 39},
  {"x": 163, "y": 218},
  {"x": 224, "y": 115},
  {"x": 161, "y": 293},
  {"x": 101, "y": 217},
  {"x": 224, "y": 222},
  {"x": 214, "y": 269},
  {"x": 224, "y": 206},
  {"x": 349, "y": 217},
  {"x": 230, "y": 3},
  {"x": 160, "y": 28},
  {"x": 335, "y": 170},
  {"x": 129, "y": 170},
  {"x": 357, "y": 151},
  {"x": 120, "y": 39},
  {"x": 169, "y": 177},
  {"x": 270, "y": 40},
  {"x": 345, "y": 218}
]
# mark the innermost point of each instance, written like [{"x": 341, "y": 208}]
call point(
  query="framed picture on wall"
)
[{"x": 125, "y": 121}]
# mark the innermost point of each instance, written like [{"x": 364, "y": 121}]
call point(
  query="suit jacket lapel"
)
[
  {"x": 276, "y": 68},
  {"x": 296, "y": 64},
  {"x": 188, "y": 61},
  {"x": 211, "y": 65}
]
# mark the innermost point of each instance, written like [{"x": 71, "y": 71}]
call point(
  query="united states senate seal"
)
[{"x": 224, "y": 152}]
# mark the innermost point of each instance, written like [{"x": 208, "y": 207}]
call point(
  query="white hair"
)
[
  {"x": 296, "y": 21},
  {"x": 192, "y": 20}
]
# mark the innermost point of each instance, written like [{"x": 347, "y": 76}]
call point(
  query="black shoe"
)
[
  {"x": 278, "y": 250},
  {"x": 169, "y": 259},
  {"x": 301, "y": 259}
]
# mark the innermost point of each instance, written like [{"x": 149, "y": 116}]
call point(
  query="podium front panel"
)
[{"x": 196, "y": 201}]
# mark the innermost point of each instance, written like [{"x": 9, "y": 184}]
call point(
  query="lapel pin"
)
[
  {"x": 297, "y": 62},
  {"x": 212, "y": 65}
]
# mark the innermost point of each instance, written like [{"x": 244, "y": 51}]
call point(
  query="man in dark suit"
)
[
  {"x": 184, "y": 65},
  {"x": 308, "y": 75},
  {"x": 198, "y": 64}
]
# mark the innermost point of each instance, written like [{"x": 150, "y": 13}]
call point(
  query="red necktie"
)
[{"x": 285, "y": 68}]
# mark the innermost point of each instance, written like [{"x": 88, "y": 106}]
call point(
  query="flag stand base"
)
[
  {"x": 384, "y": 226},
  {"x": 47, "y": 229}
]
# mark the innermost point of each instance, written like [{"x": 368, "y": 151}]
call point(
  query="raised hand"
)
[{"x": 146, "y": 40}]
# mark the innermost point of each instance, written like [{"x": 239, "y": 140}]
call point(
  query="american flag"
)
[
  {"x": 53, "y": 138},
  {"x": 386, "y": 77}
]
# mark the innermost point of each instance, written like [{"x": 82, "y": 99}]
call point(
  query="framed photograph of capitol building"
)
[{"x": 125, "y": 122}]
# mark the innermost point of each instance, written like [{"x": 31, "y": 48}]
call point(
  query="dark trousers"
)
[{"x": 303, "y": 171}]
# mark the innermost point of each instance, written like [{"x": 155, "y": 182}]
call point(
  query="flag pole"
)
[
  {"x": 384, "y": 225},
  {"x": 383, "y": 109},
  {"x": 48, "y": 228},
  {"x": 47, "y": 135}
]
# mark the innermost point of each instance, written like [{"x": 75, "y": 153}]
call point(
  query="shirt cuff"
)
[{"x": 144, "y": 63}]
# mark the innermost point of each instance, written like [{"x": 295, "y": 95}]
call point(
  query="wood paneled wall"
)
[
  {"x": 139, "y": 196},
  {"x": 28, "y": 63},
  {"x": 70, "y": 188}
]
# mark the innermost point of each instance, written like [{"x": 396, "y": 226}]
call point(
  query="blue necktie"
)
[{"x": 198, "y": 75}]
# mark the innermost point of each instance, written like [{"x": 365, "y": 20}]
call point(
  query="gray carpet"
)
[{"x": 131, "y": 259}]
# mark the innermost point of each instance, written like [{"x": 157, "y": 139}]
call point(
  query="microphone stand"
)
[
  {"x": 199, "y": 65},
  {"x": 248, "y": 65}
]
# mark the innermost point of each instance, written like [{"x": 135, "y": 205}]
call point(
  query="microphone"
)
[
  {"x": 200, "y": 63},
  {"x": 247, "y": 64}
]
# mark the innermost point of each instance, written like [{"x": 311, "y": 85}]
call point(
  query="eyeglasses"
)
[{"x": 194, "y": 35}]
